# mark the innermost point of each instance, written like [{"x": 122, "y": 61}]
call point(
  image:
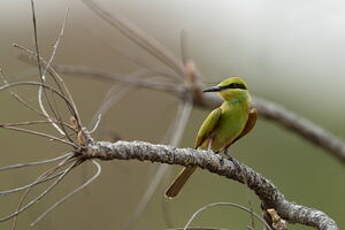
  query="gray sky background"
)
[{"x": 297, "y": 47}]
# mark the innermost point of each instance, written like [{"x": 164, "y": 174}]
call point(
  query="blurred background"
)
[{"x": 290, "y": 52}]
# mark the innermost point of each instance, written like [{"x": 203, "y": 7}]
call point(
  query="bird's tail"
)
[{"x": 179, "y": 182}]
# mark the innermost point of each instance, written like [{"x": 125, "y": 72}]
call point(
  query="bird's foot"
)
[
  {"x": 221, "y": 161},
  {"x": 227, "y": 153},
  {"x": 230, "y": 158}
]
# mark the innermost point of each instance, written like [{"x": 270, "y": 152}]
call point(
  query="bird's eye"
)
[{"x": 235, "y": 86}]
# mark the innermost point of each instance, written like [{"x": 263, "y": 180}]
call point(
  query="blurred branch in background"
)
[{"x": 229, "y": 204}]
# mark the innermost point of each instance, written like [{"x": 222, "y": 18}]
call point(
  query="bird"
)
[{"x": 226, "y": 124}]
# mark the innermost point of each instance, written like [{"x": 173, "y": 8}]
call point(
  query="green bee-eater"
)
[{"x": 223, "y": 126}]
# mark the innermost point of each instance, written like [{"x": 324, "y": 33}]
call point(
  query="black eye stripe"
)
[{"x": 234, "y": 86}]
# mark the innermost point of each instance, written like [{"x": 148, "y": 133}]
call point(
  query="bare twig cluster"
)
[{"x": 51, "y": 91}]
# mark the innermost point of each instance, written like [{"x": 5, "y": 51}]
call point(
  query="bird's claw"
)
[{"x": 221, "y": 161}]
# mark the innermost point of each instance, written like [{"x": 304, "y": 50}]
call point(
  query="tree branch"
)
[{"x": 270, "y": 196}]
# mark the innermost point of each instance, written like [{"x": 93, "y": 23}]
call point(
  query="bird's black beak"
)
[{"x": 212, "y": 89}]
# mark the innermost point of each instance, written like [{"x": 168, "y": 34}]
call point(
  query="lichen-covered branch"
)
[{"x": 268, "y": 193}]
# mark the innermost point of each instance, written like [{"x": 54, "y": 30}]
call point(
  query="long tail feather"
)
[{"x": 179, "y": 182}]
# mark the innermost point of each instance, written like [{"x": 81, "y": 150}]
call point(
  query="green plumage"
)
[{"x": 223, "y": 126}]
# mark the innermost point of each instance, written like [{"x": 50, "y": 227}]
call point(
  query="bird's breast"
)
[{"x": 231, "y": 124}]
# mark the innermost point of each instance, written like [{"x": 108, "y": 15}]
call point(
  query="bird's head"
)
[{"x": 230, "y": 88}]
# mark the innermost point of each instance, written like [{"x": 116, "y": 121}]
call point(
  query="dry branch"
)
[{"x": 268, "y": 193}]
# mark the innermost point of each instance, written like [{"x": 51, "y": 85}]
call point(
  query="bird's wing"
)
[
  {"x": 249, "y": 125},
  {"x": 208, "y": 126}
]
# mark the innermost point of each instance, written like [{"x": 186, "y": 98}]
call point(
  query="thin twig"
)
[
  {"x": 43, "y": 176},
  {"x": 34, "y": 163},
  {"x": 27, "y": 105},
  {"x": 25, "y": 123},
  {"x": 40, "y": 134},
  {"x": 56, "y": 44},
  {"x": 34, "y": 83},
  {"x": 42, "y": 90},
  {"x": 39, "y": 197},
  {"x": 36, "y": 37},
  {"x": 133, "y": 33},
  {"x": 175, "y": 133},
  {"x": 58, "y": 203},
  {"x": 114, "y": 94},
  {"x": 18, "y": 189},
  {"x": 43, "y": 77},
  {"x": 19, "y": 98},
  {"x": 68, "y": 159},
  {"x": 117, "y": 92},
  {"x": 96, "y": 123},
  {"x": 102, "y": 75},
  {"x": 217, "y": 204},
  {"x": 63, "y": 89}
]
